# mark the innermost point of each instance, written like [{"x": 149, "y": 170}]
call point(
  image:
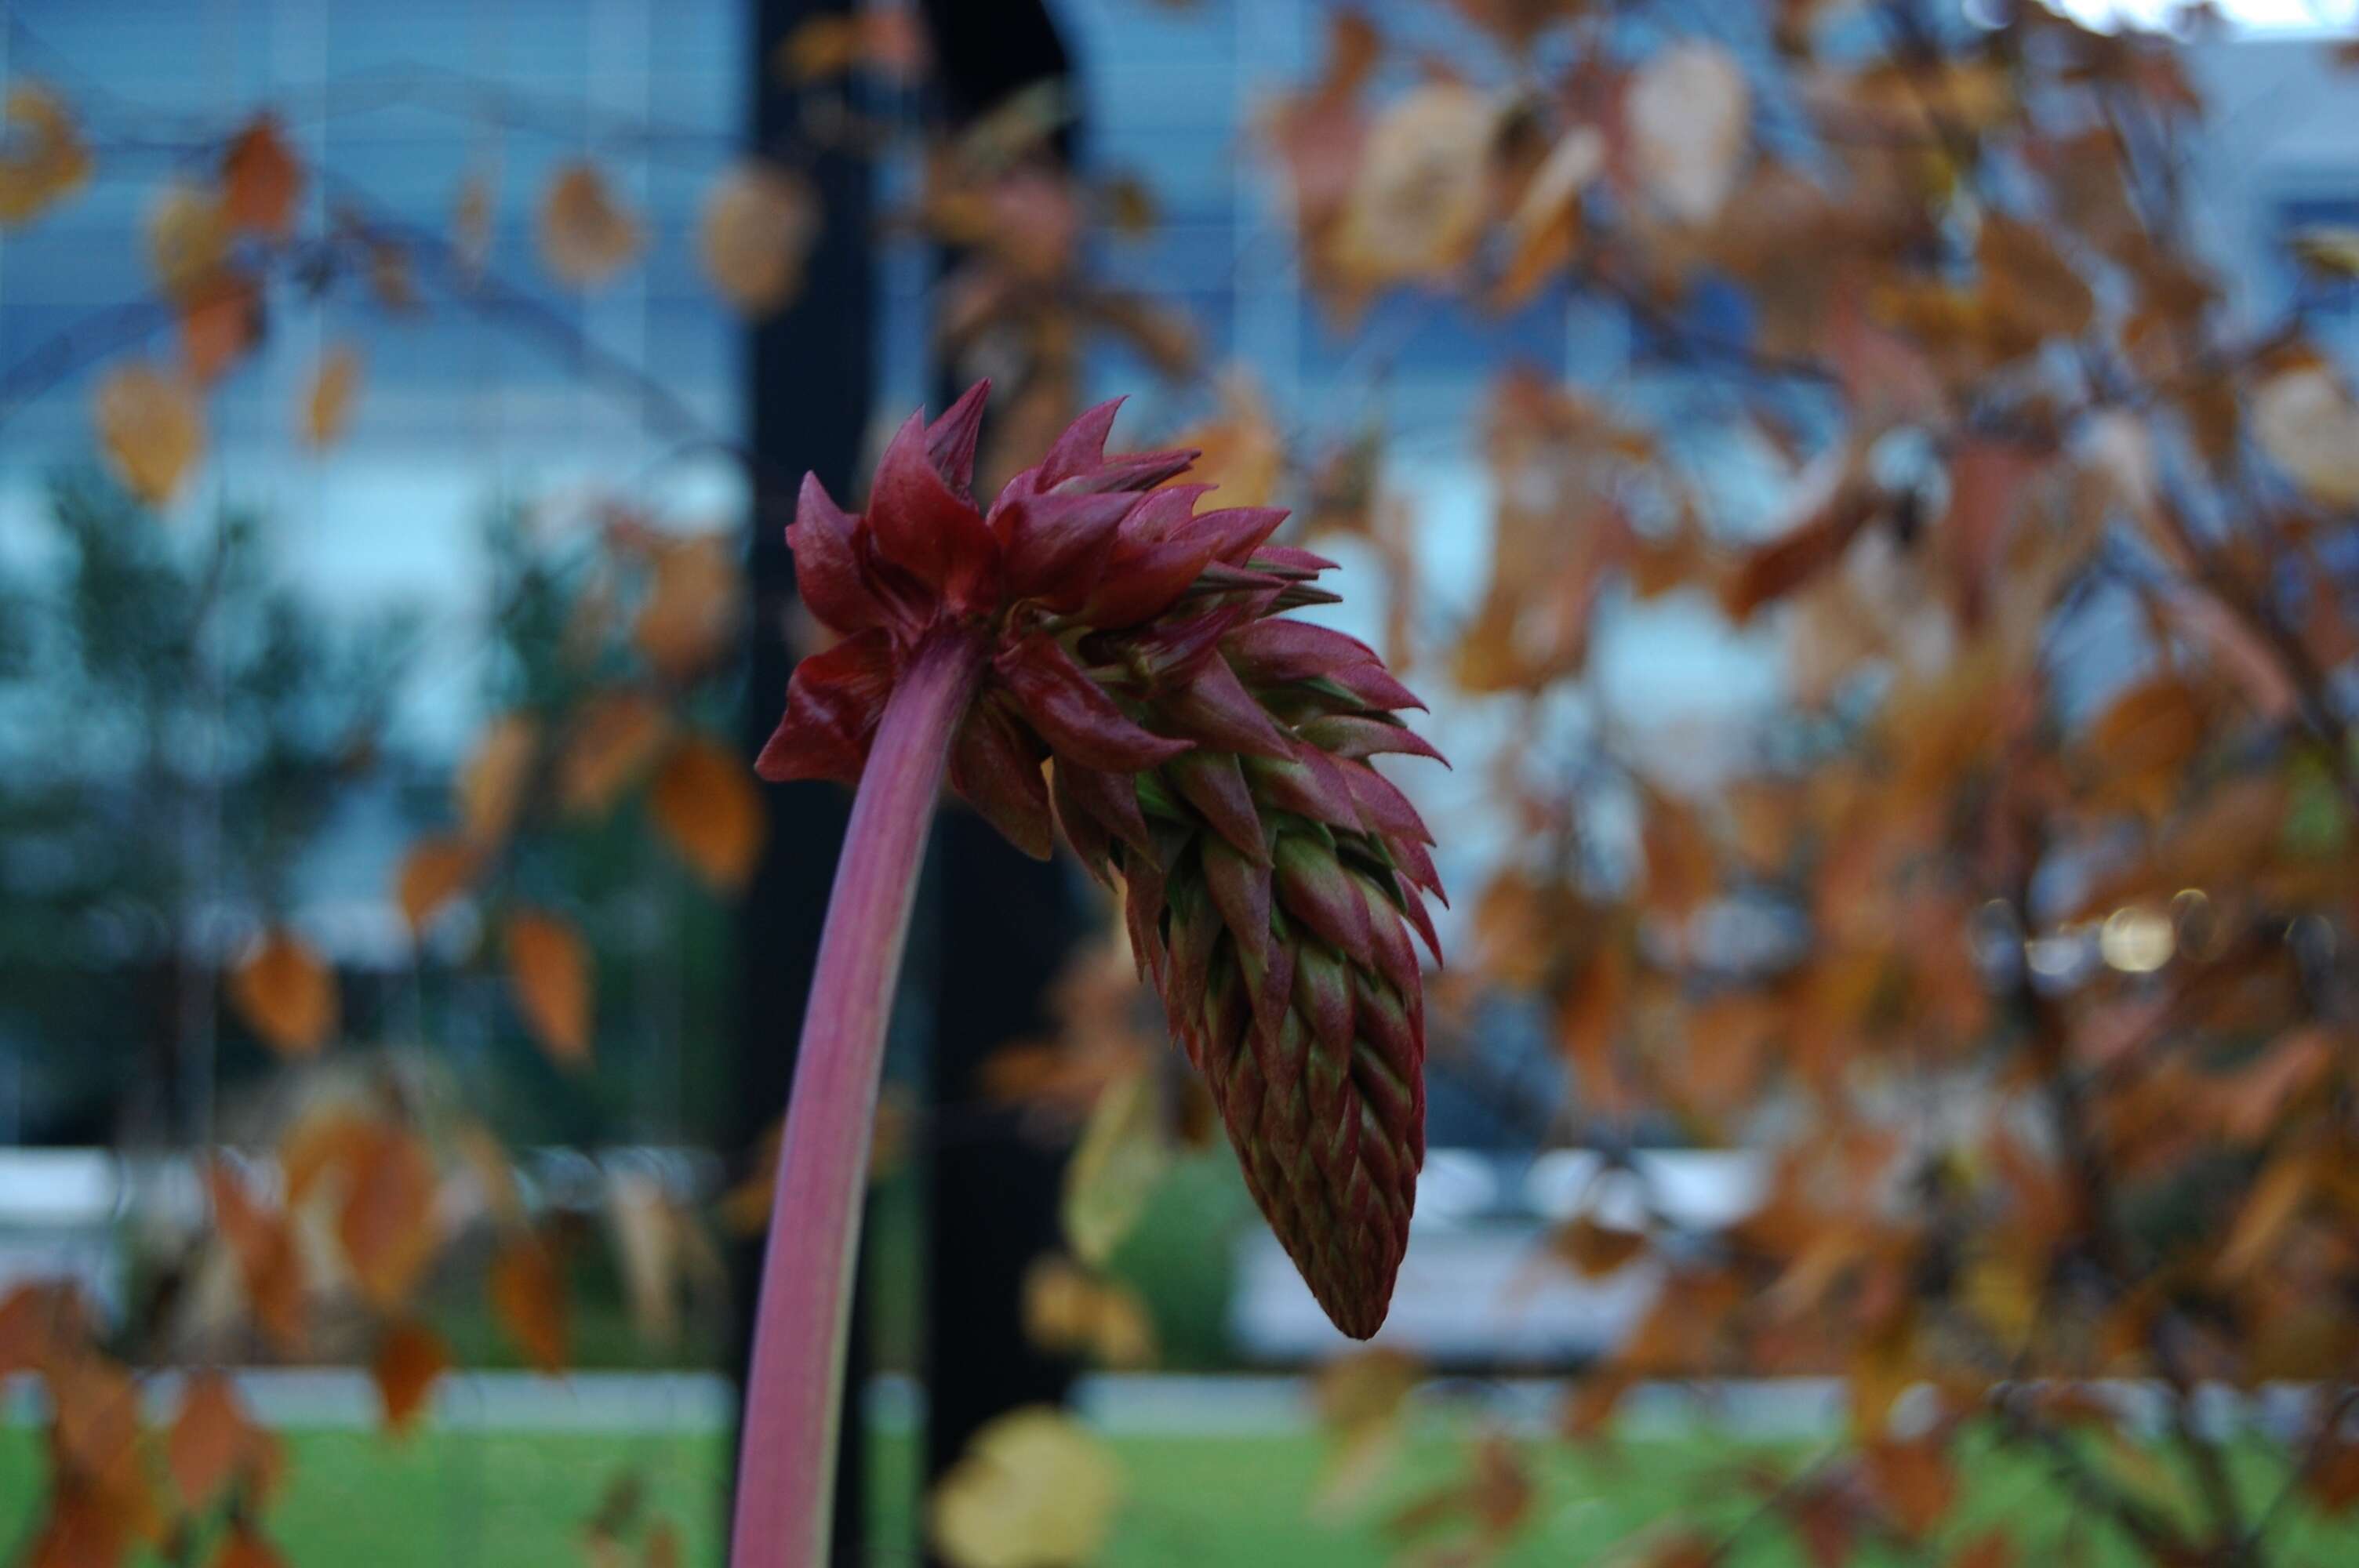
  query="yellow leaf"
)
[
  {"x": 1688, "y": 118},
  {"x": 409, "y": 1360},
  {"x": 287, "y": 994},
  {"x": 490, "y": 788},
  {"x": 2308, "y": 425},
  {"x": 152, "y": 428},
  {"x": 548, "y": 970},
  {"x": 326, "y": 404},
  {"x": 261, "y": 180},
  {"x": 1121, "y": 1157},
  {"x": 528, "y": 1298},
  {"x": 758, "y": 225},
  {"x": 433, "y": 872},
  {"x": 1034, "y": 1489},
  {"x": 44, "y": 160},
  {"x": 188, "y": 239},
  {"x": 586, "y": 235},
  {"x": 706, "y": 805}
]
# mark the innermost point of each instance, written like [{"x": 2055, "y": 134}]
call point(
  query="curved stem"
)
[{"x": 786, "y": 1472}]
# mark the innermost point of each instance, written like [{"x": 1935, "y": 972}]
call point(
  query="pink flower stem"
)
[{"x": 786, "y": 1470}]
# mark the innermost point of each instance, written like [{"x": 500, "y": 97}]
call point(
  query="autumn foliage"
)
[{"x": 2011, "y": 931}]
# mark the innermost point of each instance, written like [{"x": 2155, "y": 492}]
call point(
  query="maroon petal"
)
[
  {"x": 1238, "y": 531},
  {"x": 1112, "y": 799},
  {"x": 1316, "y": 890},
  {"x": 1174, "y": 650},
  {"x": 834, "y": 702},
  {"x": 1076, "y": 717},
  {"x": 1161, "y": 513},
  {"x": 1287, "y": 557},
  {"x": 950, "y": 439},
  {"x": 996, "y": 768},
  {"x": 1135, "y": 471},
  {"x": 823, "y": 537},
  {"x": 921, "y": 526},
  {"x": 1088, "y": 835},
  {"x": 1054, "y": 547},
  {"x": 1308, "y": 783},
  {"x": 1146, "y": 584},
  {"x": 1215, "y": 707},
  {"x": 1082, "y": 447},
  {"x": 1374, "y": 684},
  {"x": 1364, "y": 735},
  {"x": 1270, "y": 652},
  {"x": 1214, "y": 785},
  {"x": 1382, "y": 807}
]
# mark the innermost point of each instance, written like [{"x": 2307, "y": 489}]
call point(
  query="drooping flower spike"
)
[{"x": 1201, "y": 748}]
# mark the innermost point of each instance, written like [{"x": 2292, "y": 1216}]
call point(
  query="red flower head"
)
[{"x": 1212, "y": 754}]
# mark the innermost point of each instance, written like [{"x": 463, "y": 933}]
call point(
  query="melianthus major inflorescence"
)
[{"x": 1205, "y": 749}]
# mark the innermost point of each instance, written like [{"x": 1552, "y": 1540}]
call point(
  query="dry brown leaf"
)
[
  {"x": 2309, "y": 424},
  {"x": 705, "y": 801},
  {"x": 433, "y": 872},
  {"x": 1034, "y": 1487},
  {"x": 646, "y": 1229},
  {"x": 245, "y": 1547},
  {"x": 214, "y": 1442},
  {"x": 527, "y": 1295},
  {"x": 220, "y": 322},
  {"x": 586, "y": 235},
  {"x": 264, "y": 1245},
  {"x": 549, "y": 975},
  {"x": 2332, "y": 249},
  {"x": 1417, "y": 204},
  {"x": 693, "y": 607},
  {"x": 326, "y": 404},
  {"x": 42, "y": 159},
  {"x": 387, "y": 1221},
  {"x": 151, "y": 426},
  {"x": 411, "y": 1359},
  {"x": 188, "y": 239},
  {"x": 261, "y": 180},
  {"x": 490, "y": 789},
  {"x": 758, "y": 227},
  {"x": 285, "y": 993},
  {"x": 613, "y": 741},
  {"x": 1688, "y": 118},
  {"x": 1596, "y": 1250}
]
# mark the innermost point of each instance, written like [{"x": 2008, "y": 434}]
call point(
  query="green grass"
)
[{"x": 455, "y": 1499}]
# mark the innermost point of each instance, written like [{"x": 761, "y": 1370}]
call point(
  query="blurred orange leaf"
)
[
  {"x": 264, "y": 1245},
  {"x": 1595, "y": 1249},
  {"x": 214, "y": 1442},
  {"x": 285, "y": 993},
  {"x": 586, "y": 235},
  {"x": 757, "y": 228},
  {"x": 188, "y": 239},
  {"x": 327, "y": 404},
  {"x": 244, "y": 1547},
  {"x": 152, "y": 429},
  {"x": 2309, "y": 424},
  {"x": 491, "y": 787},
  {"x": 1034, "y": 1487},
  {"x": 433, "y": 872},
  {"x": 528, "y": 1295},
  {"x": 43, "y": 161},
  {"x": 261, "y": 180},
  {"x": 705, "y": 801},
  {"x": 411, "y": 1359},
  {"x": 549, "y": 973},
  {"x": 220, "y": 322},
  {"x": 388, "y": 1222},
  {"x": 612, "y": 741}
]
